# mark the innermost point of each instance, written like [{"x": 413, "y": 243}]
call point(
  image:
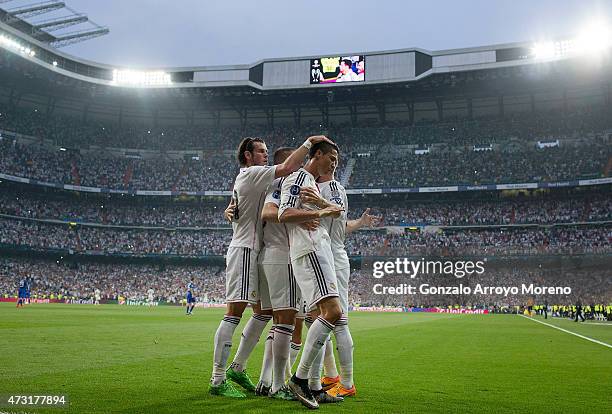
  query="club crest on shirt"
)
[
  {"x": 276, "y": 194},
  {"x": 294, "y": 190},
  {"x": 335, "y": 193}
]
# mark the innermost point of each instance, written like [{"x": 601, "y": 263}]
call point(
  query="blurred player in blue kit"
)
[{"x": 190, "y": 298}]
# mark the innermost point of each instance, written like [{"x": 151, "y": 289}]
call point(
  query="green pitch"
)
[{"x": 112, "y": 359}]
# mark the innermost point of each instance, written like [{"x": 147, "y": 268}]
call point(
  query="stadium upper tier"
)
[{"x": 487, "y": 151}]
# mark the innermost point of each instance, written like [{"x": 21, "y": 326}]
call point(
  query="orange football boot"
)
[
  {"x": 327, "y": 383},
  {"x": 339, "y": 391}
]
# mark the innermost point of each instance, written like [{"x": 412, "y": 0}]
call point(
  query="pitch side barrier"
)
[
  {"x": 441, "y": 189},
  {"x": 465, "y": 311},
  {"x": 75, "y": 222}
]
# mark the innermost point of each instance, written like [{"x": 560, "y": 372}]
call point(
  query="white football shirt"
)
[
  {"x": 275, "y": 235},
  {"x": 249, "y": 192},
  {"x": 301, "y": 241},
  {"x": 335, "y": 193}
]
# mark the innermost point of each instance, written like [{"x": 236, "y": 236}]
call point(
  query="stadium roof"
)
[
  {"x": 17, "y": 18},
  {"x": 32, "y": 70}
]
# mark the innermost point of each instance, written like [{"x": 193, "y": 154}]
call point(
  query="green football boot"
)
[
  {"x": 225, "y": 389},
  {"x": 241, "y": 378}
]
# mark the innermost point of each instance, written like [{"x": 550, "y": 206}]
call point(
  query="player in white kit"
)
[
  {"x": 150, "y": 296},
  {"x": 242, "y": 279},
  {"x": 313, "y": 263},
  {"x": 333, "y": 192},
  {"x": 278, "y": 291}
]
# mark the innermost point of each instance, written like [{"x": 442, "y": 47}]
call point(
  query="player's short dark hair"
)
[
  {"x": 247, "y": 144},
  {"x": 281, "y": 154},
  {"x": 347, "y": 62},
  {"x": 324, "y": 146}
]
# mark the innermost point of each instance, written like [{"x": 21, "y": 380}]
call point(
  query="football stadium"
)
[{"x": 402, "y": 230}]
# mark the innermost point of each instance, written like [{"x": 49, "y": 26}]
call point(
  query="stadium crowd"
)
[
  {"x": 75, "y": 131},
  {"x": 131, "y": 281},
  {"x": 450, "y": 213},
  {"x": 452, "y": 167},
  {"x": 590, "y": 284},
  {"x": 108, "y": 212},
  {"x": 41, "y": 236},
  {"x": 216, "y": 171},
  {"x": 375, "y": 149},
  {"x": 498, "y": 242}
]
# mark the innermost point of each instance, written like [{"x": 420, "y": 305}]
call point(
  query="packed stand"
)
[
  {"x": 389, "y": 168},
  {"x": 498, "y": 242},
  {"x": 561, "y": 240},
  {"x": 97, "y": 240},
  {"x": 529, "y": 211},
  {"x": 450, "y": 213},
  {"x": 380, "y": 162},
  {"x": 589, "y": 284},
  {"x": 131, "y": 281}
]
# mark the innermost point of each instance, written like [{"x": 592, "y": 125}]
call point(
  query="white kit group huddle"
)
[{"x": 287, "y": 259}]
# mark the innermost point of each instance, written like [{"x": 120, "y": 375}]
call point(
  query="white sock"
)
[
  {"x": 317, "y": 335},
  {"x": 280, "y": 346},
  {"x": 293, "y": 353},
  {"x": 250, "y": 336},
  {"x": 314, "y": 375},
  {"x": 329, "y": 361},
  {"x": 344, "y": 343},
  {"x": 223, "y": 345},
  {"x": 266, "y": 365}
]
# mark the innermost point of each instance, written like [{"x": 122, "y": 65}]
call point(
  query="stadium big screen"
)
[{"x": 337, "y": 69}]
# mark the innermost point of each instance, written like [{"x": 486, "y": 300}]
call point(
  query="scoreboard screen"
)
[{"x": 337, "y": 69}]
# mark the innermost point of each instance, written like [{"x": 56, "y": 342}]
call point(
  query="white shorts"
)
[
  {"x": 278, "y": 289},
  {"x": 343, "y": 275},
  {"x": 241, "y": 276},
  {"x": 316, "y": 276}
]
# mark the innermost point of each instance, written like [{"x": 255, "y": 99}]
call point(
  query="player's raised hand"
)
[
  {"x": 331, "y": 211},
  {"x": 311, "y": 196},
  {"x": 310, "y": 225},
  {"x": 368, "y": 220},
  {"x": 229, "y": 211},
  {"x": 315, "y": 139}
]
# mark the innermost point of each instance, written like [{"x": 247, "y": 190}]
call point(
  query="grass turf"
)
[{"x": 148, "y": 360}]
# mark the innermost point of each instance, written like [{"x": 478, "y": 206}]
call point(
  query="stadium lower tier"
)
[
  {"x": 572, "y": 279},
  {"x": 40, "y": 236}
]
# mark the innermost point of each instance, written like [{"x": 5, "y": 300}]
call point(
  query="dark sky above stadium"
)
[{"x": 161, "y": 33}]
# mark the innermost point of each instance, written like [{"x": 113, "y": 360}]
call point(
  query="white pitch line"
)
[{"x": 569, "y": 332}]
